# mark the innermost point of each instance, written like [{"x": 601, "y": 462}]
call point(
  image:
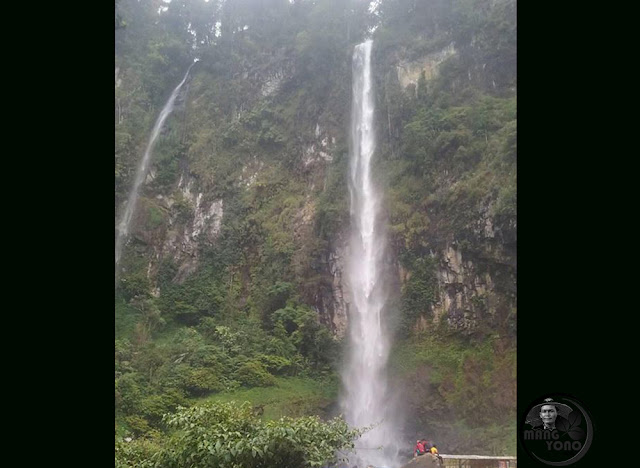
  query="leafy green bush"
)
[
  {"x": 155, "y": 406},
  {"x": 129, "y": 393},
  {"x": 123, "y": 355},
  {"x": 254, "y": 374},
  {"x": 229, "y": 435},
  {"x": 134, "y": 284},
  {"x": 290, "y": 318},
  {"x": 137, "y": 453},
  {"x": 202, "y": 381},
  {"x": 277, "y": 365},
  {"x": 138, "y": 425}
]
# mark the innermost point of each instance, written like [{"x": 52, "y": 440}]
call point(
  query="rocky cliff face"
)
[
  {"x": 475, "y": 261},
  {"x": 472, "y": 244},
  {"x": 182, "y": 240},
  {"x": 476, "y": 281},
  {"x": 330, "y": 299},
  {"x": 175, "y": 222},
  {"x": 476, "y": 275},
  {"x": 409, "y": 72},
  {"x": 175, "y": 226}
]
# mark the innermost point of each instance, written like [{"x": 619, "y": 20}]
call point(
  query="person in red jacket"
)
[{"x": 419, "y": 450}]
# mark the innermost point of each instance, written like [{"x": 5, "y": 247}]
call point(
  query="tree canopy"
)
[{"x": 230, "y": 435}]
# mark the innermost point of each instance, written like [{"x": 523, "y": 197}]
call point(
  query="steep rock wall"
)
[
  {"x": 472, "y": 245},
  {"x": 175, "y": 222},
  {"x": 409, "y": 72}
]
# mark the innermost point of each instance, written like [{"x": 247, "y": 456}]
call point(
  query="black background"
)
[
  {"x": 567, "y": 316},
  {"x": 570, "y": 242}
]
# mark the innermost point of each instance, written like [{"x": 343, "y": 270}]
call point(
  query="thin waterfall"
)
[
  {"x": 366, "y": 401},
  {"x": 141, "y": 173}
]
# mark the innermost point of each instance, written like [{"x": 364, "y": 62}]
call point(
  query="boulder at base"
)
[{"x": 423, "y": 461}]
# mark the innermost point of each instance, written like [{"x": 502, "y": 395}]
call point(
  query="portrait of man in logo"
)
[
  {"x": 544, "y": 415},
  {"x": 555, "y": 432}
]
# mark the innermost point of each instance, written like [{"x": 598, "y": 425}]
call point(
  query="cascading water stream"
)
[
  {"x": 365, "y": 401},
  {"x": 141, "y": 173}
]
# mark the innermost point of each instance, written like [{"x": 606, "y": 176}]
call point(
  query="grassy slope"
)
[{"x": 291, "y": 396}]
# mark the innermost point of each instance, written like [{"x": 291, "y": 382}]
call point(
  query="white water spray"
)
[
  {"x": 366, "y": 401},
  {"x": 123, "y": 226}
]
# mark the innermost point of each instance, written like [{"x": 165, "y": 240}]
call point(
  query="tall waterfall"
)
[
  {"x": 123, "y": 226},
  {"x": 365, "y": 401}
]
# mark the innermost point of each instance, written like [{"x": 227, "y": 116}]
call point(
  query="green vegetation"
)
[
  {"x": 448, "y": 150},
  {"x": 230, "y": 435},
  {"x": 460, "y": 391},
  {"x": 290, "y": 396},
  {"x": 189, "y": 344},
  {"x": 419, "y": 293}
]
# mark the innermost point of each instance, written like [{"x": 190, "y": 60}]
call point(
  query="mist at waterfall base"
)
[
  {"x": 141, "y": 172},
  {"x": 366, "y": 400}
]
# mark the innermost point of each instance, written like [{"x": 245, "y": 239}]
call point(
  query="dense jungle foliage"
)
[{"x": 246, "y": 323}]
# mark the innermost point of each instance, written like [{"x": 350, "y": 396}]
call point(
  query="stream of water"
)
[
  {"x": 141, "y": 173},
  {"x": 366, "y": 401}
]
